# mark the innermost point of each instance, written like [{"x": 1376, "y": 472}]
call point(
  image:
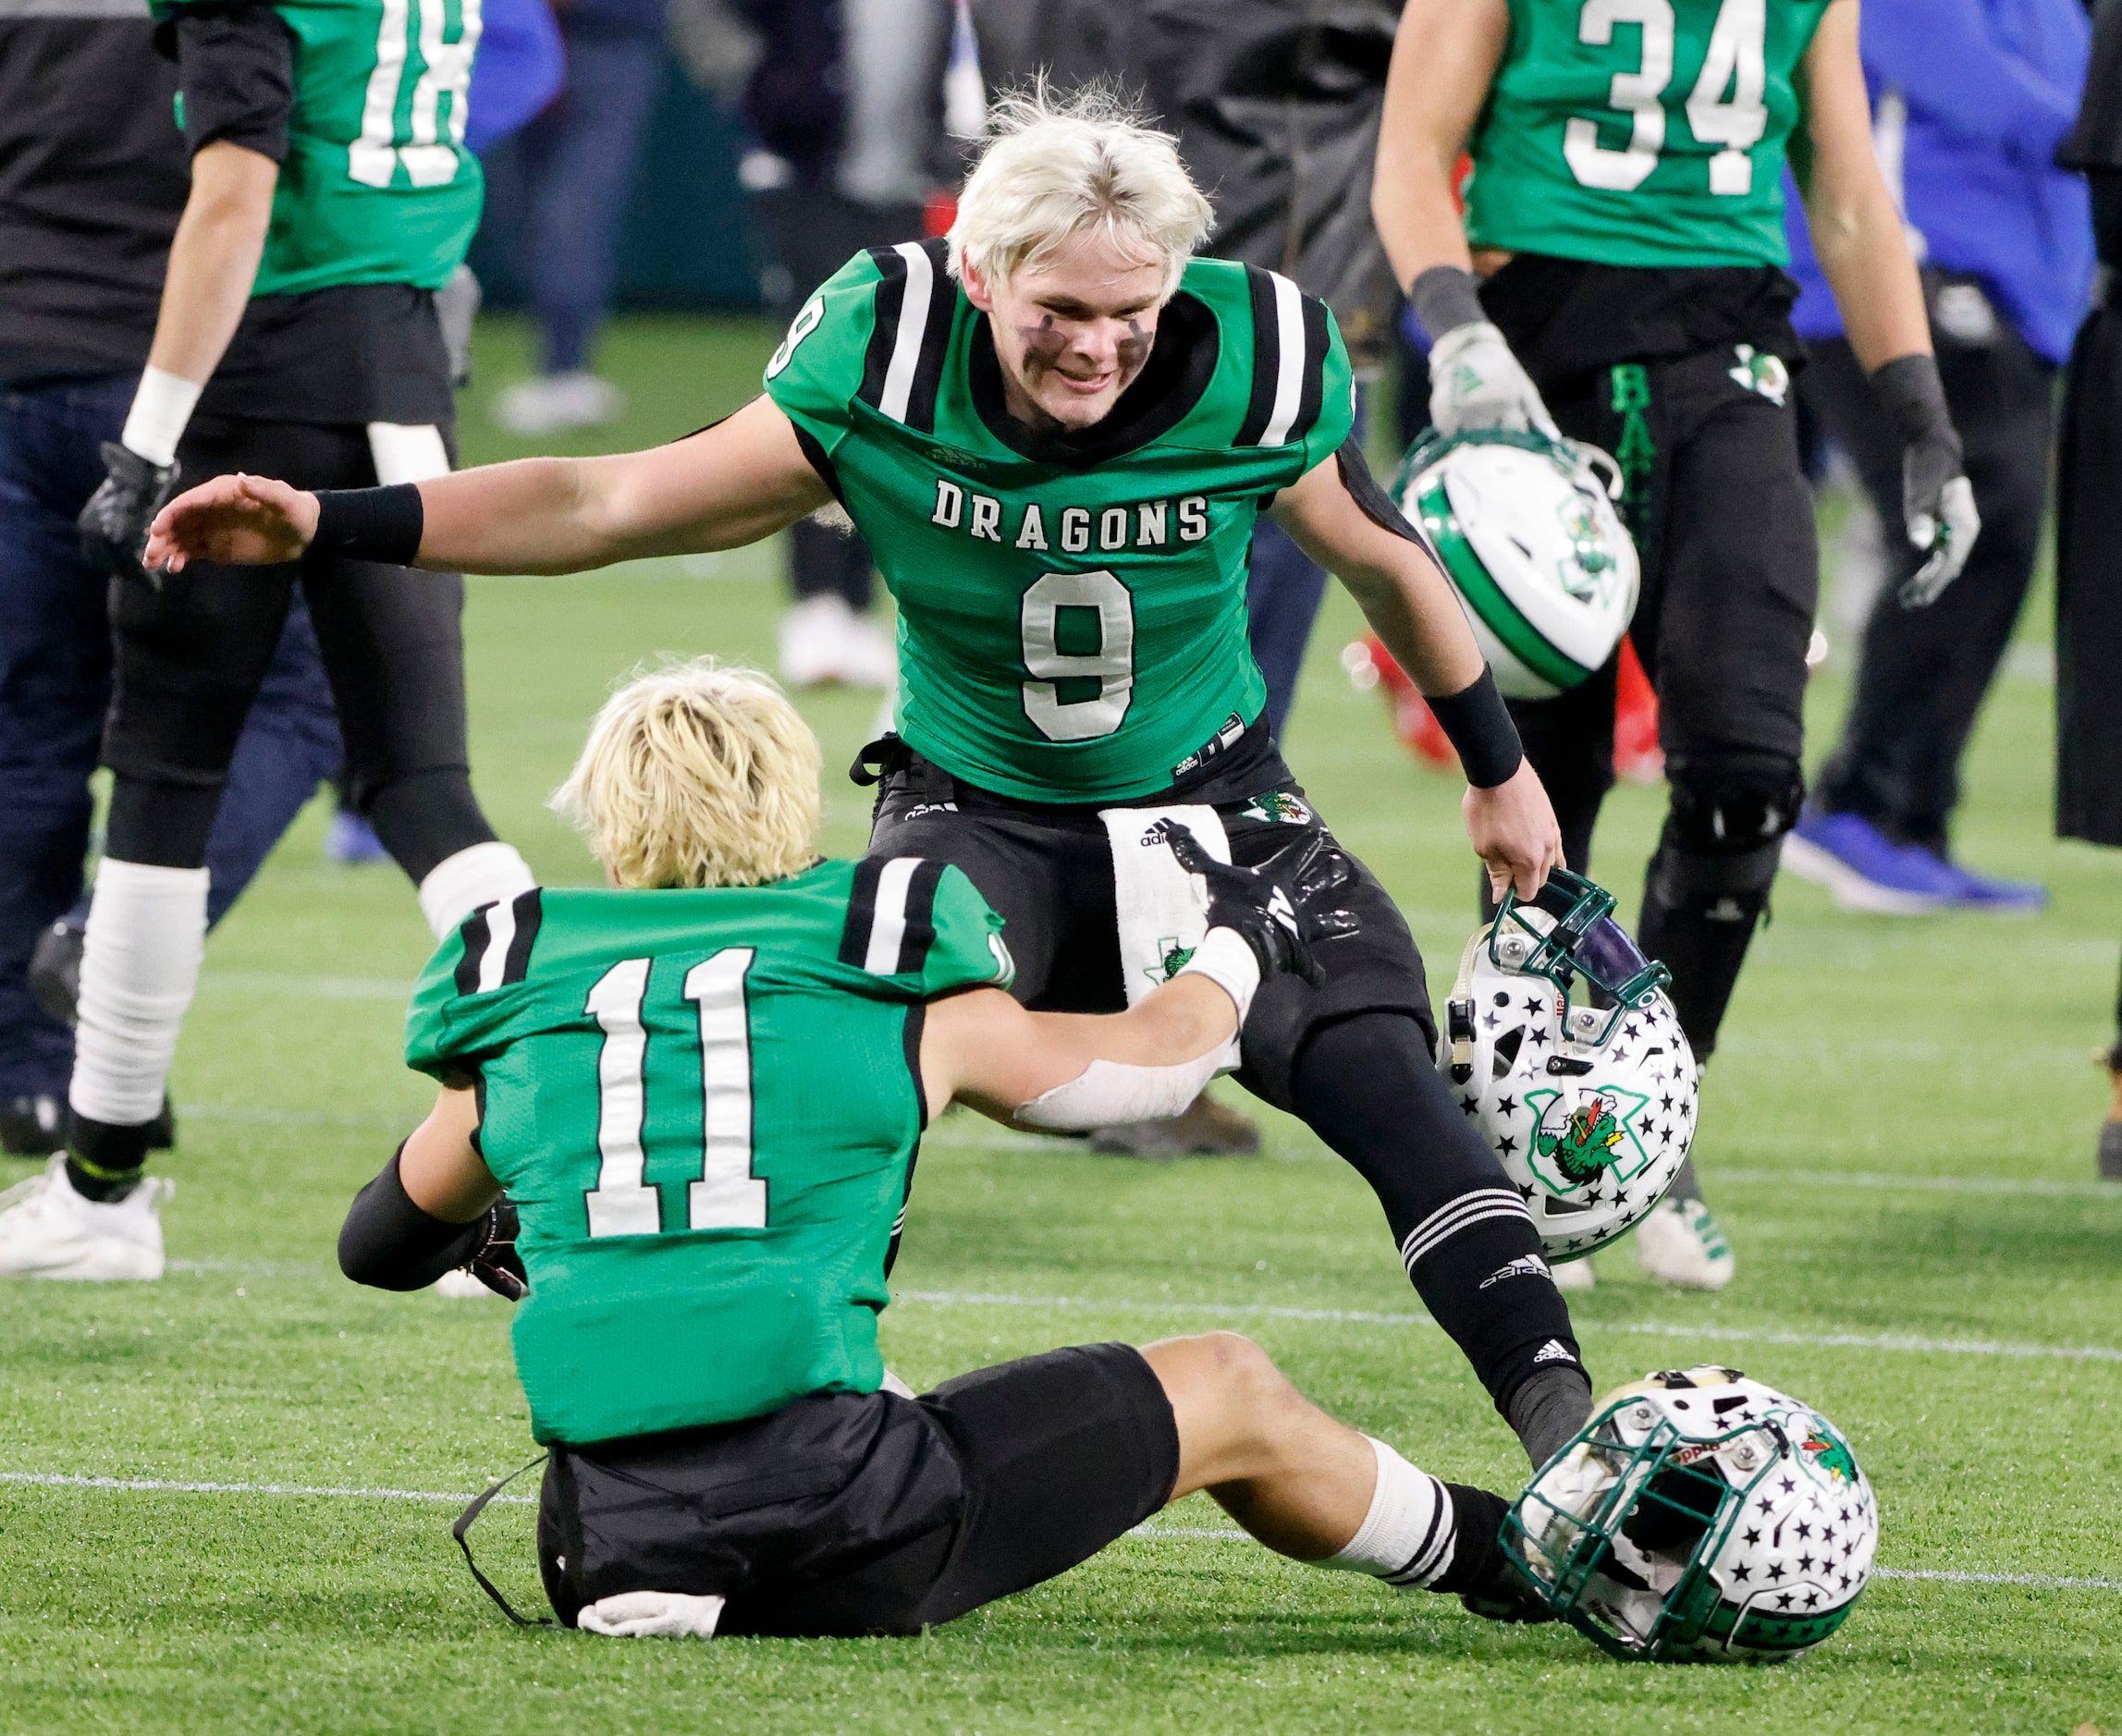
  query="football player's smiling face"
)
[{"x": 1072, "y": 330}]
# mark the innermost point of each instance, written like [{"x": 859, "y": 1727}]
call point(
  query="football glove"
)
[
  {"x": 494, "y": 1260},
  {"x": 1938, "y": 503},
  {"x": 113, "y": 524},
  {"x": 1275, "y": 909},
  {"x": 1474, "y": 382}
]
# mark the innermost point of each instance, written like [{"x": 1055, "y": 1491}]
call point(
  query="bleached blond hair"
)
[
  {"x": 1083, "y": 162},
  {"x": 696, "y": 774}
]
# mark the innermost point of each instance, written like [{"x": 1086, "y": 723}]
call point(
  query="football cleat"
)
[
  {"x": 552, "y": 403},
  {"x": 48, "y": 1231},
  {"x": 1589, "y": 1107},
  {"x": 1865, "y": 870},
  {"x": 1679, "y": 1242},
  {"x": 1574, "y": 1274},
  {"x": 1699, "y": 1517},
  {"x": 33, "y": 1126},
  {"x": 1530, "y": 539}
]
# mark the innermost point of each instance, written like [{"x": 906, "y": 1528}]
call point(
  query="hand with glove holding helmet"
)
[
  {"x": 1937, "y": 500},
  {"x": 1474, "y": 381}
]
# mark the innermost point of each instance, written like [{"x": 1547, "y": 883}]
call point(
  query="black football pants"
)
[
  {"x": 1923, "y": 672},
  {"x": 190, "y": 656}
]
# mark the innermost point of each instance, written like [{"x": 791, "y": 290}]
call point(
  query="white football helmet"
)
[
  {"x": 1532, "y": 541},
  {"x": 1699, "y": 1516},
  {"x": 1590, "y": 1108}
]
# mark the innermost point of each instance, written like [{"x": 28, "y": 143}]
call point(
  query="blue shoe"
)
[
  {"x": 1866, "y": 870},
  {"x": 2000, "y": 897},
  {"x": 353, "y": 840}
]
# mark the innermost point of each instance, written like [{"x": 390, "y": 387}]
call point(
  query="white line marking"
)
[
  {"x": 310, "y": 987},
  {"x": 264, "y": 1116},
  {"x": 172, "y": 1485},
  {"x": 1652, "y": 1328},
  {"x": 165, "y": 1486}
]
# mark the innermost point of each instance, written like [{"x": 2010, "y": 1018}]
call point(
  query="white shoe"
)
[
  {"x": 551, "y": 403},
  {"x": 1574, "y": 1274},
  {"x": 460, "y": 1285},
  {"x": 823, "y": 639},
  {"x": 48, "y": 1231},
  {"x": 1678, "y": 1240},
  {"x": 869, "y": 658}
]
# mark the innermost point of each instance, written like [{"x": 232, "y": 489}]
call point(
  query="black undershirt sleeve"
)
[
  {"x": 390, "y": 1243},
  {"x": 236, "y": 74}
]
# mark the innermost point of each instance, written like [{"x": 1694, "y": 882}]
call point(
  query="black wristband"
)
[
  {"x": 378, "y": 524},
  {"x": 1914, "y": 399},
  {"x": 1479, "y": 724},
  {"x": 388, "y": 1242},
  {"x": 1444, "y": 298}
]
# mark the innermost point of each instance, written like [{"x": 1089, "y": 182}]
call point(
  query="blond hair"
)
[
  {"x": 696, "y": 774},
  {"x": 1058, "y": 168}
]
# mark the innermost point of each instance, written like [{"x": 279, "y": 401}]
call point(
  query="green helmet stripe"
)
[{"x": 1499, "y": 614}]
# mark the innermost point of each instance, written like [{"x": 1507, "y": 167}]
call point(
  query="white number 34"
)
[{"x": 1726, "y": 108}]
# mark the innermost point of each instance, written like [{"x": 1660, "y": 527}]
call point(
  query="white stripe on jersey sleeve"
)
[
  {"x": 501, "y": 937},
  {"x": 913, "y": 322},
  {"x": 888, "y": 926},
  {"x": 1289, "y": 360}
]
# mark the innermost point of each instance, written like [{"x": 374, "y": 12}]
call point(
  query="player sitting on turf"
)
[
  {"x": 704, "y": 1092},
  {"x": 1057, "y": 435}
]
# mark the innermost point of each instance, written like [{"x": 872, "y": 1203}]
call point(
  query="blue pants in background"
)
[{"x": 54, "y": 685}]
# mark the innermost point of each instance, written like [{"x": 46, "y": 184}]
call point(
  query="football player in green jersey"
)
[
  {"x": 1617, "y": 275},
  {"x": 330, "y": 197},
  {"x": 1056, "y": 433},
  {"x": 703, "y": 1090}
]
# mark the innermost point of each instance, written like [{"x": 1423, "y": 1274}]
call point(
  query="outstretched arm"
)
[
  {"x": 1410, "y": 604},
  {"x": 730, "y": 484}
]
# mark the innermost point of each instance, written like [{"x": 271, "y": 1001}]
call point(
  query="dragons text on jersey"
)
[
  {"x": 1072, "y": 607},
  {"x": 706, "y": 1107}
]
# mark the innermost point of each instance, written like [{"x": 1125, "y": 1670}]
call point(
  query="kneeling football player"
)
[{"x": 703, "y": 1091}]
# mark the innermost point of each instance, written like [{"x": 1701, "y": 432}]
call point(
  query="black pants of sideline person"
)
[{"x": 1922, "y": 673}]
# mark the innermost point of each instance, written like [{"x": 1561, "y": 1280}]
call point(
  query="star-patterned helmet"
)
[
  {"x": 1699, "y": 1516},
  {"x": 1590, "y": 1106}
]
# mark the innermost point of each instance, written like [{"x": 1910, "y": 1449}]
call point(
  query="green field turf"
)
[{"x": 1899, "y": 1135}]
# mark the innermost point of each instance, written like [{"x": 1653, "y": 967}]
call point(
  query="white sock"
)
[
  {"x": 139, "y": 965},
  {"x": 1407, "y": 1537},
  {"x": 459, "y": 884}
]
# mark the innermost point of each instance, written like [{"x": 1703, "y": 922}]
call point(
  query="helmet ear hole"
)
[
  {"x": 1675, "y": 1508},
  {"x": 1506, "y": 1053}
]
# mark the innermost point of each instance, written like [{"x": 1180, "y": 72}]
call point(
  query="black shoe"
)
[
  {"x": 162, "y": 1131},
  {"x": 55, "y": 970},
  {"x": 33, "y": 1126},
  {"x": 1481, "y": 1574}
]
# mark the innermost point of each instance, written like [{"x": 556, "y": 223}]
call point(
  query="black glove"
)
[
  {"x": 1937, "y": 500},
  {"x": 1256, "y": 904},
  {"x": 494, "y": 1260},
  {"x": 113, "y": 524}
]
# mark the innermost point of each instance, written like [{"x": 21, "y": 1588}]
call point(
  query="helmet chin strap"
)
[{"x": 1459, "y": 1010}]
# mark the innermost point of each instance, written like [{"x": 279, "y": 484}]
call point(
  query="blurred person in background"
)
[
  {"x": 845, "y": 106},
  {"x": 1969, "y": 100},
  {"x": 1276, "y": 108},
  {"x": 298, "y": 334},
  {"x": 1616, "y": 276},
  {"x": 92, "y": 180},
  {"x": 2089, "y": 514},
  {"x": 576, "y": 163}
]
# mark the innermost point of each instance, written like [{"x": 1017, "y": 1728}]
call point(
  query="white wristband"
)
[
  {"x": 161, "y": 407},
  {"x": 1226, "y": 960}
]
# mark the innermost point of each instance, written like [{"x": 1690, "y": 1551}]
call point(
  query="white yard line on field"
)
[
  {"x": 1652, "y": 1329},
  {"x": 382, "y": 988},
  {"x": 173, "y": 1486}
]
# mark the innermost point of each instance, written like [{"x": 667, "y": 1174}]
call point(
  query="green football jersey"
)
[
  {"x": 377, "y": 185},
  {"x": 1641, "y": 132},
  {"x": 705, "y": 1106},
  {"x": 1071, "y": 610}
]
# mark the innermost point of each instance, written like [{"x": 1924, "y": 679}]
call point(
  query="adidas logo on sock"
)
[
  {"x": 1525, "y": 1265},
  {"x": 1553, "y": 1351}
]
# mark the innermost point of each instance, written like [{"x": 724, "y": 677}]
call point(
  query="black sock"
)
[
  {"x": 1687, "y": 1185},
  {"x": 1700, "y": 913},
  {"x": 103, "y": 1158},
  {"x": 1368, "y": 1087},
  {"x": 1547, "y": 1409}
]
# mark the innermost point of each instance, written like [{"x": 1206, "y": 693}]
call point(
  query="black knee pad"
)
[{"x": 1732, "y": 806}]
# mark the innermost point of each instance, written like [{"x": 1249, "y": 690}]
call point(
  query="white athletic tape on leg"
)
[
  {"x": 139, "y": 965},
  {"x": 1410, "y": 1533},
  {"x": 1108, "y": 1094},
  {"x": 652, "y": 1615},
  {"x": 483, "y": 874},
  {"x": 1226, "y": 960}
]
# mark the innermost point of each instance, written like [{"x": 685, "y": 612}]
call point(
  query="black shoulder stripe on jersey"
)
[
  {"x": 477, "y": 938},
  {"x": 904, "y": 365},
  {"x": 1308, "y": 404},
  {"x": 1266, "y": 355},
  {"x": 860, "y": 911},
  {"x": 919, "y": 934},
  {"x": 530, "y": 911},
  {"x": 820, "y": 460}
]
